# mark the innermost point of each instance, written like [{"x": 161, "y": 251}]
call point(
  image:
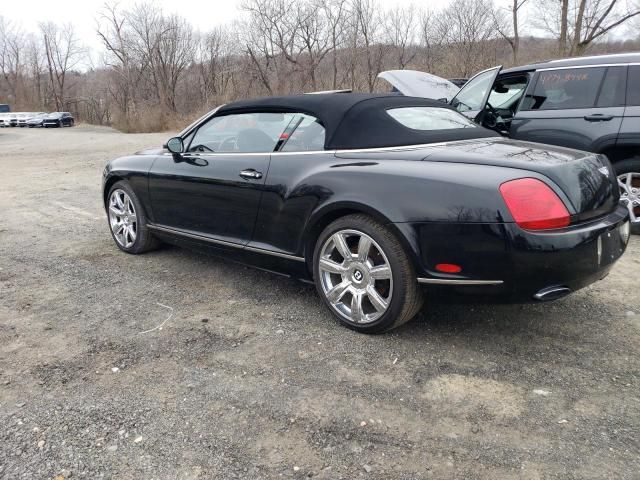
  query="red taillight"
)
[{"x": 533, "y": 205}]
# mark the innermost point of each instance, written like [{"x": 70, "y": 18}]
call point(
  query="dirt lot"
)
[{"x": 251, "y": 378}]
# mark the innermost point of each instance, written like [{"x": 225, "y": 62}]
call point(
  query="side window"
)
[
  {"x": 633, "y": 94},
  {"x": 241, "y": 133},
  {"x": 506, "y": 92},
  {"x": 307, "y": 134},
  {"x": 565, "y": 89},
  {"x": 613, "y": 88}
]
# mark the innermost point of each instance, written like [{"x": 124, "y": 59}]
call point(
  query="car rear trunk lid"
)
[{"x": 586, "y": 179}]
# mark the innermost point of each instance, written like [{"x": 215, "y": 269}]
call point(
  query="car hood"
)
[{"x": 413, "y": 83}]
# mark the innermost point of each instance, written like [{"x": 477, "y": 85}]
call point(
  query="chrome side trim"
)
[
  {"x": 443, "y": 281},
  {"x": 181, "y": 233},
  {"x": 600, "y": 65},
  {"x": 342, "y": 150},
  {"x": 628, "y": 54},
  {"x": 274, "y": 254}
]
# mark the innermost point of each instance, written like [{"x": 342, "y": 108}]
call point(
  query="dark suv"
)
[
  {"x": 587, "y": 103},
  {"x": 58, "y": 119}
]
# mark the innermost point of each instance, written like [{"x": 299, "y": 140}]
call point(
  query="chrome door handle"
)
[
  {"x": 251, "y": 173},
  {"x": 598, "y": 117}
]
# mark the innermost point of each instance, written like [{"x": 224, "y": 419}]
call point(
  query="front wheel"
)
[
  {"x": 364, "y": 275},
  {"x": 628, "y": 172},
  {"x": 127, "y": 220}
]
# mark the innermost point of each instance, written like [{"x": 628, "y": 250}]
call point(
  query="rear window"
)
[
  {"x": 430, "y": 118},
  {"x": 566, "y": 89}
]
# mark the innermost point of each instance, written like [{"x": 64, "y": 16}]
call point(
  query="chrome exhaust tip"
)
[{"x": 552, "y": 293}]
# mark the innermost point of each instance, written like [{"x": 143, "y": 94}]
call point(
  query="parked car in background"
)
[
  {"x": 585, "y": 103},
  {"x": 4, "y": 108},
  {"x": 24, "y": 117},
  {"x": 372, "y": 196},
  {"x": 59, "y": 119},
  {"x": 36, "y": 120},
  {"x": 4, "y": 120},
  {"x": 12, "y": 119}
]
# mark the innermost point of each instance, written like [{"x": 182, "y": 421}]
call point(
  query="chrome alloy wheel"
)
[
  {"x": 122, "y": 218},
  {"x": 355, "y": 276},
  {"x": 630, "y": 194}
]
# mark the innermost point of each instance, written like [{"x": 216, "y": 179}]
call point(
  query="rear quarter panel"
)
[{"x": 302, "y": 189}]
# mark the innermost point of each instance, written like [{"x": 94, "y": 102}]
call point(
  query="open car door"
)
[
  {"x": 420, "y": 84},
  {"x": 472, "y": 98}
]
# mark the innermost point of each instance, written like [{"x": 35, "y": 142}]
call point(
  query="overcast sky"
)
[{"x": 203, "y": 14}]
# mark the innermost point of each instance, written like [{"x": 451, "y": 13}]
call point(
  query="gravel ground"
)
[{"x": 249, "y": 376}]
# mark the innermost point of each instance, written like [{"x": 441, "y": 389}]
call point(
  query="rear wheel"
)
[
  {"x": 628, "y": 172},
  {"x": 364, "y": 275}
]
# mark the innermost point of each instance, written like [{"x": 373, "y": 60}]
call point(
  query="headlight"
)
[{"x": 625, "y": 232}]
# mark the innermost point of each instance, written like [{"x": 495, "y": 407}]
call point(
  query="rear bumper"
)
[{"x": 502, "y": 261}]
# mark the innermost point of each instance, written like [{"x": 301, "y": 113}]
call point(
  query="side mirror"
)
[{"x": 175, "y": 145}]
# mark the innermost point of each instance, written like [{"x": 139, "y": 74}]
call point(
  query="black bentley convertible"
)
[{"x": 373, "y": 197}]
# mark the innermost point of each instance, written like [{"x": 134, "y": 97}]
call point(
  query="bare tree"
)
[
  {"x": 11, "y": 60},
  {"x": 468, "y": 28},
  {"x": 400, "y": 32},
  {"x": 114, "y": 32},
  {"x": 577, "y": 24},
  {"x": 63, "y": 53},
  {"x": 510, "y": 31},
  {"x": 214, "y": 63},
  {"x": 335, "y": 12},
  {"x": 270, "y": 41},
  {"x": 368, "y": 31},
  {"x": 314, "y": 36},
  {"x": 156, "y": 69},
  {"x": 431, "y": 41}
]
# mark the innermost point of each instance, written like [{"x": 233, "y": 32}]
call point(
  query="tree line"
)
[{"x": 156, "y": 71}]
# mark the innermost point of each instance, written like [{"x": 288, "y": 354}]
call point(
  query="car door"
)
[
  {"x": 214, "y": 188},
  {"x": 472, "y": 97},
  {"x": 576, "y": 107}
]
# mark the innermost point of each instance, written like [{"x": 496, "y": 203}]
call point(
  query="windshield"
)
[
  {"x": 53, "y": 115},
  {"x": 473, "y": 94}
]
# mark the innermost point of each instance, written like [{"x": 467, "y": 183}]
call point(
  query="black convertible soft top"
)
[{"x": 359, "y": 120}]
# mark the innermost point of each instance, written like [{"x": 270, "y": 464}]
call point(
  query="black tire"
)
[
  {"x": 406, "y": 297},
  {"x": 144, "y": 241},
  {"x": 631, "y": 165}
]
